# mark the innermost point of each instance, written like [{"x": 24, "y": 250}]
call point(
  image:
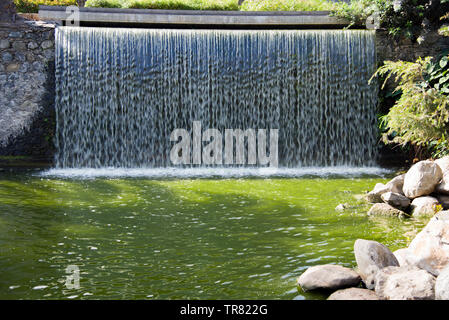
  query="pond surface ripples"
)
[{"x": 140, "y": 238}]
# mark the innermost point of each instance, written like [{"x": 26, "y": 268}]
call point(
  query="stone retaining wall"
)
[
  {"x": 404, "y": 49},
  {"x": 26, "y": 89}
]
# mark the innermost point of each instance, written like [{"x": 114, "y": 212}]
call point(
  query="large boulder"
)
[
  {"x": 354, "y": 294},
  {"x": 328, "y": 277},
  {"x": 443, "y": 163},
  {"x": 422, "y": 179},
  {"x": 405, "y": 283},
  {"x": 396, "y": 200},
  {"x": 442, "y": 285},
  {"x": 372, "y": 256},
  {"x": 423, "y": 206},
  {"x": 429, "y": 250},
  {"x": 394, "y": 185},
  {"x": 383, "y": 209}
]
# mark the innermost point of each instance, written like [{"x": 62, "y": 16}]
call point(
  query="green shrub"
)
[
  {"x": 400, "y": 17},
  {"x": 358, "y": 11},
  {"x": 420, "y": 117}
]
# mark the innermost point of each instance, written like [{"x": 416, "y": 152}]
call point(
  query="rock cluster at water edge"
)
[{"x": 422, "y": 191}]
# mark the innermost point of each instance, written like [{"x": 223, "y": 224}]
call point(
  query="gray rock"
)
[
  {"x": 354, "y": 294},
  {"x": 384, "y": 209},
  {"x": 47, "y": 44},
  {"x": 429, "y": 250},
  {"x": 394, "y": 185},
  {"x": 19, "y": 45},
  {"x": 328, "y": 277},
  {"x": 443, "y": 163},
  {"x": 405, "y": 283},
  {"x": 49, "y": 54},
  {"x": 30, "y": 57},
  {"x": 15, "y": 34},
  {"x": 375, "y": 195},
  {"x": 422, "y": 179},
  {"x": 423, "y": 206},
  {"x": 6, "y": 57},
  {"x": 372, "y": 256},
  {"x": 38, "y": 66},
  {"x": 32, "y": 45},
  {"x": 442, "y": 285},
  {"x": 20, "y": 56},
  {"x": 396, "y": 200},
  {"x": 24, "y": 67},
  {"x": 341, "y": 207},
  {"x": 4, "y": 44}
]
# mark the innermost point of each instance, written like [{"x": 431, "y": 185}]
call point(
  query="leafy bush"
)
[
  {"x": 32, "y": 6},
  {"x": 410, "y": 17},
  {"x": 400, "y": 17},
  {"x": 420, "y": 117},
  {"x": 358, "y": 11}
]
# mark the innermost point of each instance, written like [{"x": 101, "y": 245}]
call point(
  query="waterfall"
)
[{"x": 121, "y": 92}]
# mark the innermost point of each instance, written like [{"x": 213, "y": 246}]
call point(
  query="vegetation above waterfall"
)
[{"x": 409, "y": 18}]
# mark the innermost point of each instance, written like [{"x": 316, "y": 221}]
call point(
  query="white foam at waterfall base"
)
[{"x": 339, "y": 171}]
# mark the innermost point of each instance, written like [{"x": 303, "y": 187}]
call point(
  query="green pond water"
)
[{"x": 180, "y": 238}]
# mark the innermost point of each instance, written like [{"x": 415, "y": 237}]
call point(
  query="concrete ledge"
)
[{"x": 192, "y": 17}]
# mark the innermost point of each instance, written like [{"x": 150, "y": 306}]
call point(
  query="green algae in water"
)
[{"x": 181, "y": 239}]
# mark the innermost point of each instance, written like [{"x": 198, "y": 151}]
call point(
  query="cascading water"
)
[{"x": 121, "y": 92}]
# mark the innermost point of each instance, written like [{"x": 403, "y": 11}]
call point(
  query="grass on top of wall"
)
[
  {"x": 32, "y": 6},
  {"x": 287, "y": 5},
  {"x": 222, "y": 5}
]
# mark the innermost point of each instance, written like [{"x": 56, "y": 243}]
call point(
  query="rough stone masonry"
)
[{"x": 26, "y": 84}]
